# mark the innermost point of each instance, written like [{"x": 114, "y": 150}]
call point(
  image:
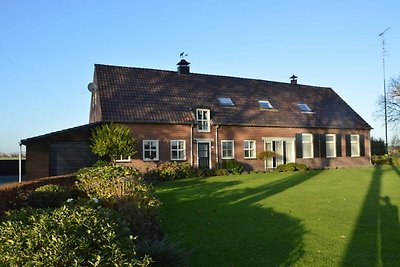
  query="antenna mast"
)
[{"x": 382, "y": 34}]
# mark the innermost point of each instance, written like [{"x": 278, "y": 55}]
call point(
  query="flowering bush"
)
[
  {"x": 67, "y": 236},
  {"x": 123, "y": 189}
]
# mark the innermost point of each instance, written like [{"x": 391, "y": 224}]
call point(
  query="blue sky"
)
[{"x": 48, "y": 49}]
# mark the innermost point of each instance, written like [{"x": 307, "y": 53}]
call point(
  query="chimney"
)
[
  {"x": 183, "y": 67},
  {"x": 293, "y": 79}
]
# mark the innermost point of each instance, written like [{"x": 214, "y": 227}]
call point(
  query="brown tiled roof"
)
[{"x": 157, "y": 96}]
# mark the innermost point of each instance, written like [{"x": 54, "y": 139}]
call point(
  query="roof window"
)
[
  {"x": 226, "y": 101},
  {"x": 304, "y": 107},
  {"x": 265, "y": 104}
]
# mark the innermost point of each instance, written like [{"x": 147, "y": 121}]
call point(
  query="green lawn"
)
[{"x": 344, "y": 217}]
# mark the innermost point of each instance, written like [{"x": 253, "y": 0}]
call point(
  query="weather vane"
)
[{"x": 183, "y": 55}]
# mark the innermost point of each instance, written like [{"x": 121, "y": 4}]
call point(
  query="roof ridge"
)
[{"x": 214, "y": 75}]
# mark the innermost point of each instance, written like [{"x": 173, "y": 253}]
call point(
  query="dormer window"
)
[
  {"x": 304, "y": 107},
  {"x": 203, "y": 120},
  {"x": 226, "y": 101},
  {"x": 265, "y": 104}
]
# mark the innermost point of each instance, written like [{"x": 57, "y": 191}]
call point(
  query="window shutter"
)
[
  {"x": 316, "y": 145},
  {"x": 338, "y": 145},
  {"x": 299, "y": 145},
  {"x": 348, "y": 145},
  {"x": 323, "y": 145},
  {"x": 362, "y": 145}
]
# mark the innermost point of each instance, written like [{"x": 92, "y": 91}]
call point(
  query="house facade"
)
[{"x": 206, "y": 119}]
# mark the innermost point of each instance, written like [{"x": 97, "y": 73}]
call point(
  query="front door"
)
[{"x": 203, "y": 151}]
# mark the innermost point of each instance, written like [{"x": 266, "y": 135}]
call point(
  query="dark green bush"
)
[
  {"x": 291, "y": 167},
  {"x": 163, "y": 252},
  {"x": 67, "y": 236},
  {"x": 50, "y": 196},
  {"x": 205, "y": 172},
  {"x": 101, "y": 163},
  {"x": 123, "y": 189},
  {"x": 175, "y": 170},
  {"x": 232, "y": 165},
  {"x": 221, "y": 172},
  {"x": 381, "y": 159}
]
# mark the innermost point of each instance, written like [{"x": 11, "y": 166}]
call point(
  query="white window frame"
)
[
  {"x": 157, "y": 150},
  {"x": 332, "y": 143},
  {"x": 355, "y": 142},
  {"x": 260, "y": 102},
  {"x": 303, "y": 143},
  {"x": 226, "y": 101},
  {"x": 249, "y": 149},
  {"x": 122, "y": 159},
  {"x": 304, "y": 108},
  {"x": 203, "y": 122},
  {"x": 179, "y": 149},
  {"x": 222, "y": 149},
  {"x": 290, "y": 145}
]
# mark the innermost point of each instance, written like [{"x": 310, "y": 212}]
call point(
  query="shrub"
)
[
  {"x": 101, "y": 163},
  {"x": 163, "y": 252},
  {"x": 67, "y": 236},
  {"x": 381, "y": 160},
  {"x": 175, "y": 170},
  {"x": 205, "y": 172},
  {"x": 113, "y": 141},
  {"x": 50, "y": 195},
  {"x": 222, "y": 172},
  {"x": 291, "y": 167},
  {"x": 122, "y": 189},
  {"x": 233, "y": 166}
]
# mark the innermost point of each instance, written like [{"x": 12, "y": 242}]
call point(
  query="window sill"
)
[
  {"x": 227, "y": 158},
  {"x": 123, "y": 161},
  {"x": 150, "y": 160},
  {"x": 179, "y": 159}
]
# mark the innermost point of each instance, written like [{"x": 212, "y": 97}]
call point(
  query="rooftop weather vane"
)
[{"x": 183, "y": 55}]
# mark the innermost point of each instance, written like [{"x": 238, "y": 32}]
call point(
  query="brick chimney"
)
[
  {"x": 293, "y": 79},
  {"x": 183, "y": 67}
]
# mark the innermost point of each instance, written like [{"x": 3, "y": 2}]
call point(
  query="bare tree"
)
[{"x": 392, "y": 104}]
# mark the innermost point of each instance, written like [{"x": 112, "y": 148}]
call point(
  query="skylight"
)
[
  {"x": 265, "y": 104},
  {"x": 304, "y": 107},
  {"x": 226, "y": 101}
]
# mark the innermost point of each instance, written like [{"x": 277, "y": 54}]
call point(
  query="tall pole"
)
[{"x": 382, "y": 34}]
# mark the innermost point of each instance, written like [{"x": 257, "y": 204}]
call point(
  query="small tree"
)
[
  {"x": 113, "y": 141},
  {"x": 378, "y": 146},
  {"x": 392, "y": 104}
]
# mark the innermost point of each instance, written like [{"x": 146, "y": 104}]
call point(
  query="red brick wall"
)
[
  {"x": 166, "y": 133},
  {"x": 37, "y": 164}
]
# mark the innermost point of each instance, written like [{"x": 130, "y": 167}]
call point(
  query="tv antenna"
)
[{"x": 382, "y": 34}]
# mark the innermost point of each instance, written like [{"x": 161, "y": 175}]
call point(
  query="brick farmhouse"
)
[{"x": 206, "y": 119}]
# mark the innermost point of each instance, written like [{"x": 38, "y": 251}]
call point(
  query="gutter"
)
[{"x": 20, "y": 163}]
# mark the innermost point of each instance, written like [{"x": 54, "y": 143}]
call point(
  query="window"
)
[
  {"x": 355, "y": 145},
  {"x": 330, "y": 146},
  {"x": 304, "y": 107},
  {"x": 124, "y": 159},
  {"x": 307, "y": 146},
  {"x": 178, "y": 150},
  {"x": 284, "y": 149},
  {"x": 265, "y": 104},
  {"x": 150, "y": 150},
  {"x": 226, "y": 101},
  {"x": 227, "y": 148},
  {"x": 203, "y": 120},
  {"x": 249, "y": 149}
]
